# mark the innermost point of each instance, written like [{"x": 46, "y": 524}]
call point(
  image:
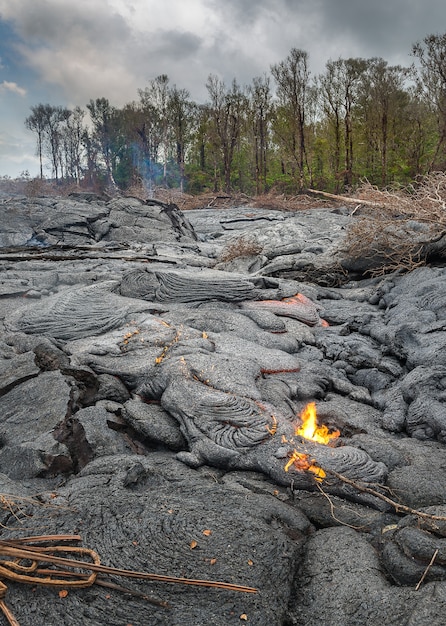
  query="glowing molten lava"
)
[{"x": 310, "y": 429}]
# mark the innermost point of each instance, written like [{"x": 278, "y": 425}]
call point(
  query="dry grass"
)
[
  {"x": 279, "y": 201},
  {"x": 217, "y": 201},
  {"x": 241, "y": 247},
  {"x": 186, "y": 201},
  {"x": 16, "y": 510},
  {"x": 168, "y": 196},
  {"x": 37, "y": 187},
  {"x": 394, "y": 230},
  {"x": 274, "y": 201},
  {"x": 271, "y": 201}
]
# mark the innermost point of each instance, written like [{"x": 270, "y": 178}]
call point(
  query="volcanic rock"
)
[{"x": 151, "y": 389}]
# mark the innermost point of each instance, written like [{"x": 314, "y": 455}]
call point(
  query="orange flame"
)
[
  {"x": 310, "y": 429},
  {"x": 301, "y": 461}
]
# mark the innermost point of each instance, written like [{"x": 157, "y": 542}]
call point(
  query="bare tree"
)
[
  {"x": 431, "y": 54},
  {"x": 339, "y": 92},
  {"x": 384, "y": 101},
  {"x": 91, "y": 149},
  {"x": 73, "y": 146},
  {"x": 55, "y": 120},
  {"x": 48, "y": 122},
  {"x": 226, "y": 114},
  {"x": 420, "y": 127},
  {"x": 181, "y": 111},
  {"x": 147, "y": 128},
  {"x": 331, "y": 92},
  {"x": 36, "y": 123},
  {"x": 155, "y": 100},
  {"x": 292, "y": 78},
  {"x": 101, "y": 114},
  {"x": 352, "y": 73},
  {"x": 260, "y": 116}
]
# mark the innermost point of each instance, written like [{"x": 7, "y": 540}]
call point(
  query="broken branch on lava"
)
[{"x": 399, "y": 508}]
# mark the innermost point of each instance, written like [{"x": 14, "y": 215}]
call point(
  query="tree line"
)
[{"x": 287, "y": 130}]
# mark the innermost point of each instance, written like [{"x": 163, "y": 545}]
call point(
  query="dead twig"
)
[
  {"x": 6, "y": 610},
  {"x": 398, "y": 228},
  {"x": 332, "y": 509},
  {"x": 17, "y": 506},
  {"x": 431, "y": 562},
  {"x": 399, "y": 508}
]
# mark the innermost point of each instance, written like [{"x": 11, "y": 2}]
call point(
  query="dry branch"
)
[
  {"x": 399, "y": 508},
  {"x": 17, "y": 549},
  {"x": 431, "y": 562},
  {"x": 67, "y": 574},
  {"x": 347, "y": 199},
  {"x": 397, "y": 228}
]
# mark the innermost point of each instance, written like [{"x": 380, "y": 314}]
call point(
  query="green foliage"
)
[
  {"x": 359, "y": 119},
  {"x": 198, "y": 181}
]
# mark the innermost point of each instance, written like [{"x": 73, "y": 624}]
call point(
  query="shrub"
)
[{"x": 242, "y": 246}]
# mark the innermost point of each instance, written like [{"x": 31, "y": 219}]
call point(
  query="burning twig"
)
[
  {"x": 159, "y": 359},
  {"x": 310, "y": 429},
  {"x": 301, "y": 461},
  {"x": 431, "y": 562},
  {"x": 273, "y": 428}
]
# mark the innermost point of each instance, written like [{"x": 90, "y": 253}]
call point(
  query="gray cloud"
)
[
  {"x": 67, "y": 53},
  {"x": 92, "y": 49},
  {"x": 244, "y": 13},
  {"x": 384, "y": 28},
  {"x": 51, "y": 23}
]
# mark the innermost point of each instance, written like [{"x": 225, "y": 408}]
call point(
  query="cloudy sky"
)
[{"x": 66, "y": 52}]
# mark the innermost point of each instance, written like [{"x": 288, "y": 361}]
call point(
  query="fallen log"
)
[{"x": 348, "y": 199}]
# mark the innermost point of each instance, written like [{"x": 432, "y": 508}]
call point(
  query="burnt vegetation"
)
[{"x": 397, "y": 230}]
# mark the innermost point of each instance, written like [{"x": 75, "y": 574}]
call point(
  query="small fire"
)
[
  {"x": 310, "y": 429},
  {"x": 301, "y": 461}
]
